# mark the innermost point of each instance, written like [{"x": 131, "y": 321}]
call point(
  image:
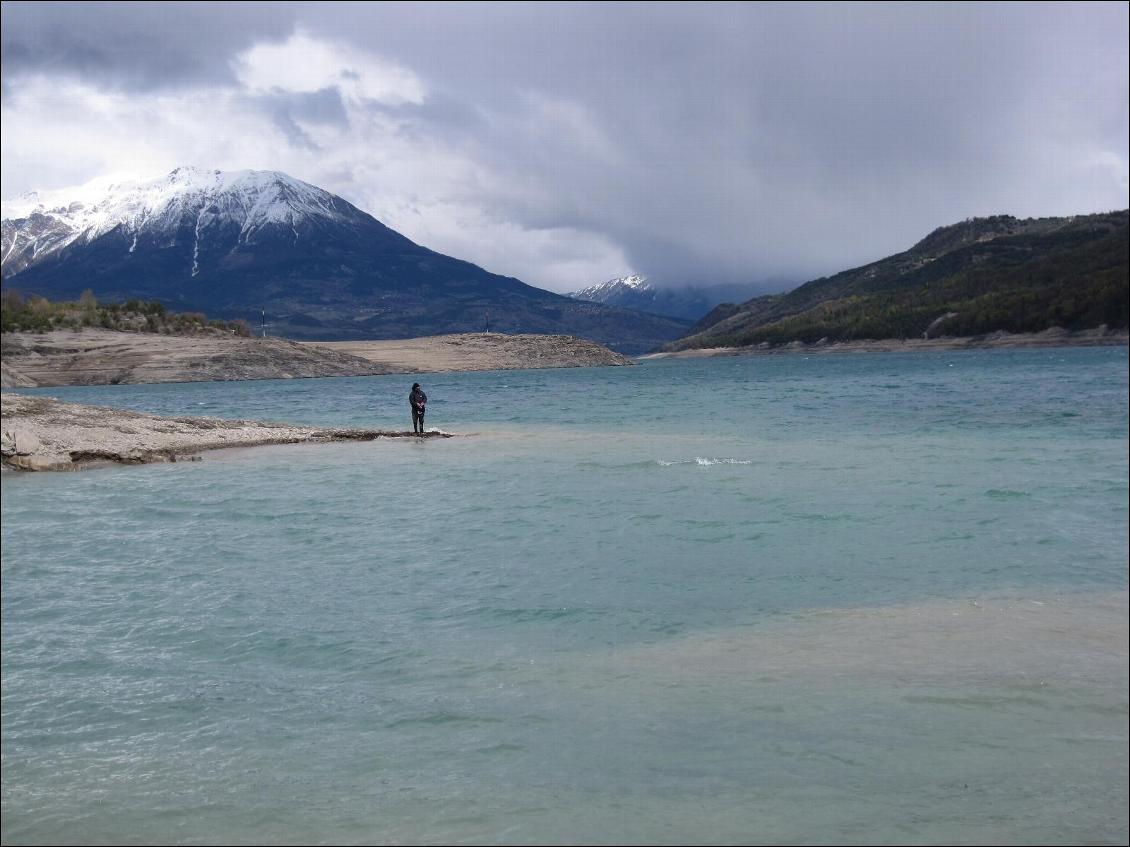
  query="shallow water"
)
[{"x": 827, "y": 599}]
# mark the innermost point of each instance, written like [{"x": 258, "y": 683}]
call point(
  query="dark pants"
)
[{"x": 418, "y": 421}]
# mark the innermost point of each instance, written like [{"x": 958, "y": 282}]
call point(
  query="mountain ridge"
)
[{"x": 247, "y": 243}]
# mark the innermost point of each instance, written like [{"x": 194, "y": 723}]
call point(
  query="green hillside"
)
[{"x": 972, "y": 278}]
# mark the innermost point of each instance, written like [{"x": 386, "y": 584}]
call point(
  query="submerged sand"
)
[
  {"x": 1026, "y": 637},
  {"x": 44, "y": 434}
]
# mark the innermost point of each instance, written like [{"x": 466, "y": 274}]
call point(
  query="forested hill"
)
[{"x": 975, "y": 277}]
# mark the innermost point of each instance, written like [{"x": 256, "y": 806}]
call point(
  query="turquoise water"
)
[{"x": 827, "y": 599}]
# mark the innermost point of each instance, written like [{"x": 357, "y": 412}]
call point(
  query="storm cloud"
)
[{"x": 567, "y": 144}]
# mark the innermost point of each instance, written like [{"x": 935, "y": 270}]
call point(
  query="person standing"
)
[{"x": 417, "y": 400}]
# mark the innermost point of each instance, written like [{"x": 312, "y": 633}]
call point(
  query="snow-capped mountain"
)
[
  {"x": 622, "y": 286},
  {"x": 222, "y": 209},
  {"x": 690, "y": 303},
  {"x": 234, "y": 244}
]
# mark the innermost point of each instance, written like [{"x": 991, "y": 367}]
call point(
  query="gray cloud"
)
[
  {"x": 706, "y": 142},
  {"x": 289, "y": 110},
  {"x": 439, "y": 114},
  {"x": 753, "y": 141},
  {"x": 137, "y": 46}
]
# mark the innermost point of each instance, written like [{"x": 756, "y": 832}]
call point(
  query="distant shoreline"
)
[
  {"x": 106, "y": 357},
  {"x": 997, "y": 340},
  {"x": 477, "y": 351},
  {"x": 44, "y": 434}
]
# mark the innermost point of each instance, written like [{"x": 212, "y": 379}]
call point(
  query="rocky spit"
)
[{"x": 44, "y": 434}]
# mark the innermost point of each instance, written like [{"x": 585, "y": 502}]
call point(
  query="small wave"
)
[
  {"x": 615, "y": 466},
  {"x": 1005, "y": 493},
  {"x": 534, "y": 614},
  {"x": 441, "y": 718},
  {"x": 703, "y": 462}
]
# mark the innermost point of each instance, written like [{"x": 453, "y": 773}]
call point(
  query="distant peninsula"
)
[{"x": 86, "y": 343}]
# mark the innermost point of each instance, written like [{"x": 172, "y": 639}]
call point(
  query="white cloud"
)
[
  {"x": 432, "y": 190},
  {"x": 305, "y": 64},
  {"x": 64, "y": 128},
  {"x": 558, "y": 258}
]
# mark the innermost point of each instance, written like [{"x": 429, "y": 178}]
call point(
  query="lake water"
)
[{"x": 828, "y": 599}]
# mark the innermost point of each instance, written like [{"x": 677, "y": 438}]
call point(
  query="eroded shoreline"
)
[{"x": 1054, "y": 337}]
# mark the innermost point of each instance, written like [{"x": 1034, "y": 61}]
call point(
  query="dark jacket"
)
[{"x": 418, "y": 398}]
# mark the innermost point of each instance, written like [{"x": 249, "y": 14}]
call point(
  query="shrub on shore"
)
[{"x": 38, "y": 314}]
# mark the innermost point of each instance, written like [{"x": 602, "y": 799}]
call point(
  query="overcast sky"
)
[{"x": 568, "y": 144}]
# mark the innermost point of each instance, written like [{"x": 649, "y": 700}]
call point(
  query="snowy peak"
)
[
  {"x": 636, "y": 282},
  {"x": 686, "y": 303},
  {"x": 187, "y": 203},
  {"x": 267, "y": 193},
  {"x": 635, "y": 292},
  {"x": 613, "y": 288}
]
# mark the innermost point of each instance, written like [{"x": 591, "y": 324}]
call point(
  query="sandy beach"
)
[{"x": 44, "y": 434}]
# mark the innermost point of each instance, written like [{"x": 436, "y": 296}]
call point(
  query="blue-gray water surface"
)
[{"x": 796, "y": 599}]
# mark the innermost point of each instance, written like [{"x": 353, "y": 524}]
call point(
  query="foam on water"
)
[
  {"x": 863, "y": 600},
  {"x": 705, "y": 463}
]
